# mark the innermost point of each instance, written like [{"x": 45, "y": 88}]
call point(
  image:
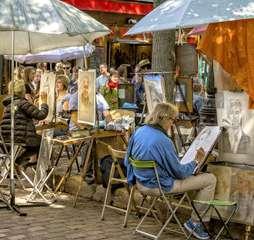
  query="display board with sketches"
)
[
  {"x": 47, "y": 85},
  {"x": 87, "y": 97},
  {"x": 236, "y": 144},
  {"x": 154, "y": 89},
  {"x": 206, "y": 139}
]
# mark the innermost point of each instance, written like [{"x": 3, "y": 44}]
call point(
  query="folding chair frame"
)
[
  {"x": 214, "y": 204},
  {"x": 137, "y": 164},
  {"x": 116, "y": 155}
]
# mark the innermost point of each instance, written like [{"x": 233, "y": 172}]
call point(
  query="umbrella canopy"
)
[
  {"x": 231, "y": 45},
  {"x": 174, "y": 14},
  {"x": 44, "y": 25},
  {"x": 56, "y": 55}
]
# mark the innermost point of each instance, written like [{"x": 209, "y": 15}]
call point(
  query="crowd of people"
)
[
  {"x": 150, "y": 141},
  {"x": 32, "y": 108}
]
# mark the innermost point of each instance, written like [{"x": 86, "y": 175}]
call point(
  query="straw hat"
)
[{"x": 144, "y": 62}]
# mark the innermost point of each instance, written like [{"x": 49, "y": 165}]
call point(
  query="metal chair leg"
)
[
  {"x": 225, "y": 226},
  {"x": 108, "y": 192},
  {"x": 131, "y": 195},
  {"x": 143, "y": 219}
]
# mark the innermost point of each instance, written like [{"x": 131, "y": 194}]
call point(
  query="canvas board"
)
[
  {"x": 47, "y": 85},
  {"x": 237, "y": 142},
  {"x": 184, "y": 94},
  {"x": 87, "y": 97},
  {"x": 206, "y": 139},
  {"x": 154, "y": 89}
]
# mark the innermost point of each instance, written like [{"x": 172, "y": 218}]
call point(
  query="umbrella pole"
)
[
  {"x": 12, "y": 180},
  {"x": 11, "y": 205}
]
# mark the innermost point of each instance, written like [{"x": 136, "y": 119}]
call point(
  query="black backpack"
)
[{"x": 105, "y": 167}]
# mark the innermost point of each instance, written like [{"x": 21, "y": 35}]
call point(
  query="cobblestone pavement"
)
[{"x": 62, "y": 221}]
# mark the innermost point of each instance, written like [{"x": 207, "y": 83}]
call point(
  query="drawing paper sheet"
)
[{"x": 205, "y": 139}]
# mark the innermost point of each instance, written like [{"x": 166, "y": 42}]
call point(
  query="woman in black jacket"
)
[{"x": 24, "y": 127}]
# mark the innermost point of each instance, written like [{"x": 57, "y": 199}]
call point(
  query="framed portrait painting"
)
[
  {"x": 154, "y": 90},
  {"x": 234, "y": 115},
  {"x": 87, "y": 97},
  {"x": 47, "y": 85}
]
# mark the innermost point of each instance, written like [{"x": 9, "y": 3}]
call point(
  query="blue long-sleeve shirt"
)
[{"x": 149, "y": 143}]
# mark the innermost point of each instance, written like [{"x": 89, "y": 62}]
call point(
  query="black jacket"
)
[{"x": 25, "y": 112}]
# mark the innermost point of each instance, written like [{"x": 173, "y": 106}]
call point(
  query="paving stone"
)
[{"x": 83, "y": 222}]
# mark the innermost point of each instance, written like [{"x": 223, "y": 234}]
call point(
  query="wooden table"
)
[
  {"x": 108, "y": 137},
  {"x": 65, "y": 143}
]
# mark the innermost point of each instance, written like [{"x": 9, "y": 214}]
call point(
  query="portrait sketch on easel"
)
[
  {"x": 154, "y": 90},
  {"x": 87, "y": 97},
  {"x": 233, "y": 114},
  {"x": 47, "y": 85}
]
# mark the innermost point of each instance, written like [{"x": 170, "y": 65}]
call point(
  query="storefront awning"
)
[{"x": 122, "y": 7}]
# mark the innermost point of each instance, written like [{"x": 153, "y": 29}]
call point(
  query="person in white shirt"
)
[{"x": 103, "y": 78}]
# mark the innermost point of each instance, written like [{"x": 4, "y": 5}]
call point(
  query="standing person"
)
[
  {"x": 138, "y": 82},
  {"x": 198, "y": 99},
  {"x": 122, "y": 70},
  {"x": 29, "y": 73},
  {"x": 151, "y": 142},
  {"x": 25, "y": 114},
  {"x": 110, "y": 90},
  {"x": 67, "y": 70},
  {"x": 73, "y": 84},
  {"x": 103, "y": 78},
  {"x": 61, "y": 92},
  {"x": 139, "y": 88},
  {"x": 36, "y": 86},
  {"x": 36, "y": 81}
]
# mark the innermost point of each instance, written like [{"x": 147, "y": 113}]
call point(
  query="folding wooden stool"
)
[{"x": 116, "y": 168}]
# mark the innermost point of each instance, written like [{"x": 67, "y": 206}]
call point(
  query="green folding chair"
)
[
  {"x": 155, "y": 195},
  {"x": 215, "y": 204}
]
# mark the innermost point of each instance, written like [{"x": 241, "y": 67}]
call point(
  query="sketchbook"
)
[{"x": 205, "y": 139}]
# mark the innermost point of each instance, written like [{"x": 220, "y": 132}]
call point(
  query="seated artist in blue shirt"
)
[{"x": 151, "y": 142}]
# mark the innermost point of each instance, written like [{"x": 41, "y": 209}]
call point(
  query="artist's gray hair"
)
[{"x": 161, "y": 112}]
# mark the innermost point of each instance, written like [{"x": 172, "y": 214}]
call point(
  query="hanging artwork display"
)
[
  {"x": 87, "y": 97},
  {"x": 47, "y": 85},
  {"x": 154, "y": 89},
  {"x": 237, "y": 142}
]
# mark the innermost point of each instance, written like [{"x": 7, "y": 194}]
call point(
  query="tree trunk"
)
[{"x": 163, "y": 56}]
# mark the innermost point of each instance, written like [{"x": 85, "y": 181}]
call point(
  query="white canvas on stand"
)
[
  {"x": 47, "y": 85},
  {"x": 154, "y": 89}
]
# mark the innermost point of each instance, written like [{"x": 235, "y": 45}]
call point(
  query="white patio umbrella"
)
[
  {"x": 55, "y": 55},
  {"x": 30, "y": 26},
  {"x": 174, "y": 14}
]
